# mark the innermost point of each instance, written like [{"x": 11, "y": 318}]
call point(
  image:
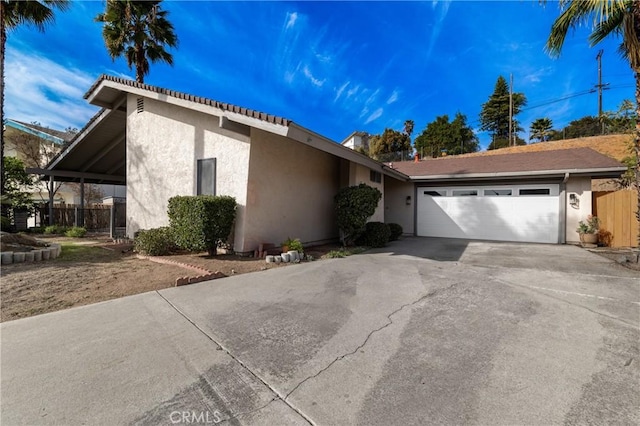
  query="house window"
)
[
  {"x": 535, "y": 191},
  {"x": 465, "y": 193},
  {"x": 436, "y": 193},
  {"x": 497, "y": 192},
  {"x": 207, "y": 176},
  {"x": 375, "y": 176}
]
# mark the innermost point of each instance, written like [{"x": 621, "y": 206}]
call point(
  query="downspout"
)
[{"x": 562, "y": 233}]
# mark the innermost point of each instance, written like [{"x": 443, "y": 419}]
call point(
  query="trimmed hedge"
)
[
  {"x": 354, "y": 206},
  {"x": 154, "y": 242},
  {"x": 396, "y": 231},
  {"x": 201, "y": 222},
  {"x": 376, "y": 234},
  {"x": 55, "y": 229},
  {"x": 76, "y": 232}
]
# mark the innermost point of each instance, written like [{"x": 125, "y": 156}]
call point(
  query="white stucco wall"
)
[
  {"x": 581, "y": 188},
  {"x": 163, "y": 145},
  {"x": 360, "y": 174},
  {"x": 290, "y": 192},
  {"x": 396, "y": 209}
]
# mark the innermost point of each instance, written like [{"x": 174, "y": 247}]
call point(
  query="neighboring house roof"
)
[
  {"x": 526, "y": 164},
  {"x": 55, "y": 136},
  {"x": 197, "y": 99},
  {"x": 356, "y": 133}
]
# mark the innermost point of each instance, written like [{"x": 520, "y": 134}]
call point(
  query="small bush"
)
[
  {"x": 395, "y": 231},
  {"x": 36, "y": 230},
  {"x": 201, "y": 222},
  {"x": 76, "y": 232},
  {"x": 336, "y": 254},
  {"x": 154, "y": 242},
  {"x": 5, "y": 223},
  {"x": 55, "y": 229},
  {"x": 376, "y": 234}
]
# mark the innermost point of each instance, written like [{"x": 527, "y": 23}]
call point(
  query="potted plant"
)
[
  {"x": 589, "y": 230},
  {"x": 291, "y": 244}
]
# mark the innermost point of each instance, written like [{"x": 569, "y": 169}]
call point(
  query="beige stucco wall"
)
[
  {"x": 396, "y": 209},
  {"x": 581, "y": 187},
  {"x": 290, "y": 192},
  {"x": 360, "y": 174},
  {"x": 163, "y": 145}
]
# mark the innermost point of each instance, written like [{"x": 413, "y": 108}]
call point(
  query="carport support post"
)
[
  {"x": 81, "y": 218},
  {"x": 51, "y": 185},
  {"x": 112, "y": 221}
]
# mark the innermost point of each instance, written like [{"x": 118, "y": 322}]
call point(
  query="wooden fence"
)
[
  {"x": 96, "y": 217},
  {"x": 617, "y": 213}
]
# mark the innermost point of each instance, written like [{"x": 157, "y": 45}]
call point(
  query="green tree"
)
[
  {"x": 454, "y": 137},
  {"x": 391, "y": 145},
  {"x": 139, "y": 31},
  {"x": 17, "y": 182},
  {"x": 504, "y": 143},
  {"x": 494, "y": 116},
  {"x": 12, "y": 15},
  {"x": 583, "y": 127},
  {"x": 541, "y": 129},
  {"x": 623, "y": 120},
  {"x": 610, "y": 18}
]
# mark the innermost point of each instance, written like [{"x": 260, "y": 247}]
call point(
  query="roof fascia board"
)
[
  {"x": 319, "y": 142},
  {"x": 79, "y": 138},
  {"x": 613, "y": 171},
  {"x": 74, "y": 174},
  {"x": 184, "y": 103}
]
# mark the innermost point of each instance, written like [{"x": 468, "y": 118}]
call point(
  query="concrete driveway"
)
[{"x": 425, "y": 331}]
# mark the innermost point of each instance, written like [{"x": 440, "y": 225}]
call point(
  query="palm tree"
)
[
  {"x": 139, "y": 31},
  {"x": 541, "y": 129},
  {"x": 12, "y": 15},
  {"x": 612, "y": 18}
]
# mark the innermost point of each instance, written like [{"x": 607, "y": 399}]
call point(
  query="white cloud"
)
[
  {"x": 291, "y": 20},
  {"x": 353, "y": 91},
  {"x": 38, "y": 89},
  {"x": 341, "y": 90},
  {"x": 437, "y": 26},
  {"x": 312, "y": 79},
  {"x": 393, "y": 97},
  {"x": 375, "y": 115}
]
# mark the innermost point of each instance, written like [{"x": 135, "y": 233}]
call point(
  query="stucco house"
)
[{"x": 163, "y": 143}]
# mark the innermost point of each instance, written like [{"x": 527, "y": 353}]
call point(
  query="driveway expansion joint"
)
[
  {"x": 366, "y": 340},
  {"x": 242, "y": 364}
]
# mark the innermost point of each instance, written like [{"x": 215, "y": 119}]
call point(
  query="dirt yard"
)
[{"x": 91, "y": 270}]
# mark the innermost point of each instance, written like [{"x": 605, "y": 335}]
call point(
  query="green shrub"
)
[
  {"x": 336, "y": 254},
  {"x": 294, "y": 245},
  {"x": 376, "y": 234},
  {"x": 5, "y": 223},
  {"x": 55, "y": 229},
  {"x": 395, "y": 231},
  {"x": 354, "y": 206},
  {"x": 76, "y": 232},
  {"x": 154, "y": 242},
  {"x": 201, "y": 222},
  {"x": 36, "y": 230}
]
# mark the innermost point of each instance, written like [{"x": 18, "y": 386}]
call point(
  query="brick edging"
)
[{"x": 204, "y": 274}]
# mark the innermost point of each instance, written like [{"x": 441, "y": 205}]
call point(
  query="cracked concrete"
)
[{"x": 424, "y": 331}]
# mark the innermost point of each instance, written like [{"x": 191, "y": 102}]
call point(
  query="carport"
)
[{"x": 97, "y": 154}]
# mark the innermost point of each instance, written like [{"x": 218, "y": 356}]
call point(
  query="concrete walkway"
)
[{"x": 424, "y": 331}]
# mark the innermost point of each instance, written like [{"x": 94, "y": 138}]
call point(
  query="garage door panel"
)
[{"x": 502, "y": 218}]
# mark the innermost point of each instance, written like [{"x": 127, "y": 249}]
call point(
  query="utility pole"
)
[
  {"x": 510, "y": 107},
  {"x": 600, "y": 87}
]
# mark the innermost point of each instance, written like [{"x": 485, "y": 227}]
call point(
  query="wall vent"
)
[{"x": 140, "y": 105}]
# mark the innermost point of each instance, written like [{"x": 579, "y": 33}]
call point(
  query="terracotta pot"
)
[{"x": 589, "y": 238}]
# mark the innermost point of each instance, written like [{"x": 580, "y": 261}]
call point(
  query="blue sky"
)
[{"x": 333, "y": 67}]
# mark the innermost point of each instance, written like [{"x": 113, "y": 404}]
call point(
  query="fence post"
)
[
  {"x": 76, "y": 218},
  {"x": 51, "y": 186},
  {"x": 112, "y": 221}
]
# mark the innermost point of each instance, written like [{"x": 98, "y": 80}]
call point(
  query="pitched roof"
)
[
  {"x": 197, "y": 99},
  {"x": 59, "y": 134},
  {"x": 564, "y": 160},
  {"x": 615, "y": 146}
]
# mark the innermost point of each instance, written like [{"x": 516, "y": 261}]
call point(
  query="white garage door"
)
[{"x": 527, "y": 213}]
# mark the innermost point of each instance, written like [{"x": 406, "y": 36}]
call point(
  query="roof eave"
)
[{"x": 611, "y": 172}]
